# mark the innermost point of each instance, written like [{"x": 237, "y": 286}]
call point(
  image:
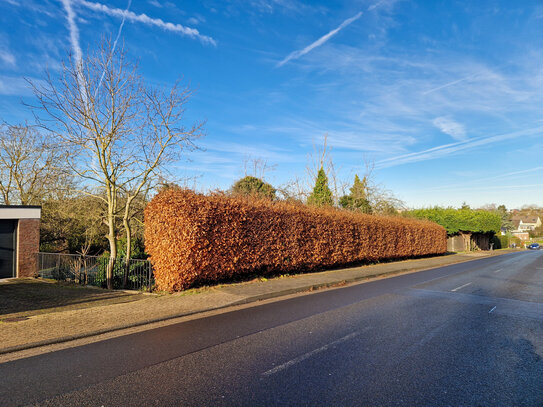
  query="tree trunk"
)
[
  {"x": 128, "y": 230},
  {"x": 128, "y": 255},
  {"x": 467, "y": 241},
  {"x": 112, "y": 238}
]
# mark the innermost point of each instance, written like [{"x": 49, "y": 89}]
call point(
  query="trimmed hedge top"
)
[{"x": 460, "y": 220}]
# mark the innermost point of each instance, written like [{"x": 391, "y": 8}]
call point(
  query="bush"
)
[
  {"x": 192, "y": 238},
  {"x": 460, "y": 220},
  {"x": 357, "y": 200},
  {"x": 516, "y": 240},
  {"x": 118, "y": 272},
  {"x": 136, "y": 278},
  {"x": 250, "y": 186},
  {"x": 503, "y": 242}
]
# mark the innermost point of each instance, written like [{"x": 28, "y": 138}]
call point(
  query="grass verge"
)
[{"x": 29, "y": 296}]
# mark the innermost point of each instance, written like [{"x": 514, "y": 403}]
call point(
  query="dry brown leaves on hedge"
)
[{"x": 193, "y": 238}]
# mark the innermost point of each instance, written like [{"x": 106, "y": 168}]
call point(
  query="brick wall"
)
[{"x": 28, "y": 244}]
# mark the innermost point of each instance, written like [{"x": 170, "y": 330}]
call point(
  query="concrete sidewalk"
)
[{"x": 62, "y": 326}]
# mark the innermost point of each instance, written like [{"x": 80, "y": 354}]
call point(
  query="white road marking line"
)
[
  {"x": 497, "y": 271},
  {"x": 462, "y": 286},
  {"x": 307, "y": 355},
  {"x": 492, "y": 309}
]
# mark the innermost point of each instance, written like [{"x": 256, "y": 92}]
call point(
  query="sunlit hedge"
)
[
  {"x": 460, "y": 220},
  {"x": 194, "y": 239}
]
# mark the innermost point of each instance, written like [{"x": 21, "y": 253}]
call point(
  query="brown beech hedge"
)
[{"x": 194, "y": 239}]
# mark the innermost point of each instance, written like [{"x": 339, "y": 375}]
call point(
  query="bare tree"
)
[
  {"x": 257, "y": 166},
  {"x": 321, "y": 157},
  {"x": 69, "y": 223},
  {"x": 381, "y": 200},
  {"x": 31, "y": 168},
  {"x": 121, "y": 131},
  {"x": 293, "y": 190}
]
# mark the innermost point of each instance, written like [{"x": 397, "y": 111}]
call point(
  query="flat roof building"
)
[{"x": 19, "y": 240}]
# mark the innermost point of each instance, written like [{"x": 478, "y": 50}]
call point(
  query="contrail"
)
[
  {"x": 450, "y": 84},
  {"x": 76, "y": 47},
  {"x": 113, "y": 48},
  {"x": 122, "y": 25},
  {"x": 74, "y": 30},
  {"x": 451, "y": 148},
  {"x": 320, "y": 41},
  {"x": 324, "y": 38},
  {"x": 145, "y": 19}
]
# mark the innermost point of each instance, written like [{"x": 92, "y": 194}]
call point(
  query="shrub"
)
[
  {"x": 192, "y": 238},
  {"x": 252, "y": 186},
  {"x": 516, "y": 240},
  {"x": 504, "y": 241},
  {"x": 498, "y": 243},
  {"x": 118, "y": 271},
  {"x": 460, "y": 220},
  {"x": 357, "y": 200}
]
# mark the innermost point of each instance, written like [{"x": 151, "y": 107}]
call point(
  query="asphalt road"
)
[{"x": 469, "y": 334}]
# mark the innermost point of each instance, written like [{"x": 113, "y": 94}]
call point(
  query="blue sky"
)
[{"x": 444, "y": 97}]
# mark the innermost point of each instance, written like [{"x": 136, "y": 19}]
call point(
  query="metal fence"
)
[{"x": 91, "y": 270}]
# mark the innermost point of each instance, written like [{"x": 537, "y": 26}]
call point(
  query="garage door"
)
[{"x": 7, "y": 247}]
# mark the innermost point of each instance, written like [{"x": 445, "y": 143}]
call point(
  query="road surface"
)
[{"x": 469, "y": 334}]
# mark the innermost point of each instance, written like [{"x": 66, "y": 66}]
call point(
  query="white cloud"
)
[
  {"x": 12, "y": 2},
  {"x": 450, "y": 127},
  {"x": 197, "y": 19},
  {"x": 272, "y": 153},
  {"x": 155, "y": 3},
  {"x": 7, "y": 57},
  {"x": 483, "y": 181},
  {"x": 320, "y": 41},
  {"x": 286, "y": 6},
  {"x": 145, "y": 19},
  {"x": 380, "y": 92},
  {"x": 388, "y": 4},
  {"x": 17, "y": 86},
  {"x": 452, "y": 148}
]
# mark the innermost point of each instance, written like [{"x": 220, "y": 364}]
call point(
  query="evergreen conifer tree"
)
[
  {"x": 358, "y": 198},
  {"x": 507, "y": 223},
  {"x": 321, "y": 195}
]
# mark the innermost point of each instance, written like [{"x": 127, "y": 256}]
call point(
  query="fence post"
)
[
  {"x": 38, "y": 265},
  {"x": 149, "y": 276}
]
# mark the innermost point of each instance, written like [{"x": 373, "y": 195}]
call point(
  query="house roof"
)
[
  {"x": 525, "y": 219},
  {"x": 20, "y": 212}
]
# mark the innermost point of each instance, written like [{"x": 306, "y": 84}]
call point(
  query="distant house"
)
[{"x": 524, "y": 224}]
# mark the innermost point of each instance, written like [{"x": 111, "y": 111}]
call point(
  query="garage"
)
[
  {"x": 8, "y": 229},
  {"x": 19, "y": 240}
]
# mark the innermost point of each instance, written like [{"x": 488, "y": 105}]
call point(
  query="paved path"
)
[
  {"x": 63, "y": 326},
  {"x": 463, "y": 335}
]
